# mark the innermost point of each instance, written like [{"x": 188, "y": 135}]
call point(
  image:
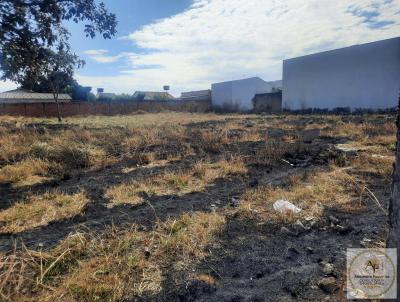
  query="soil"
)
[{"x": 250, "y": 261}]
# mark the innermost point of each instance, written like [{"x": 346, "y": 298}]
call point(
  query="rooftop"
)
[{"x": 26, "y": 96}]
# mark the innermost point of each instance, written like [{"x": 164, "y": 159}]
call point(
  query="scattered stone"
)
[
  {"x": 333, "y": 219},
  {"x": 343, "y": 230},
  {"x": 328, "y": 269},
  {"x": 310, "y": 250},
  {"x": 328, "y": 284},
  {"x": 299, "y": 227},
  {"x": 365, "y": 242}
]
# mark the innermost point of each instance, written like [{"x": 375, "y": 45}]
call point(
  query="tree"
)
[
  {"x": 31, "y": 34},
  {"x": 58, "y": 71},
  {"x": 79, "y": 92}
]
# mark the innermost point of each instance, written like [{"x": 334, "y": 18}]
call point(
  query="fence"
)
[{"x": 101, "y": 108}]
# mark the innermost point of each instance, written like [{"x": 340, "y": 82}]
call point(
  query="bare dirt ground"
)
[{"x": 179, "y": 207}]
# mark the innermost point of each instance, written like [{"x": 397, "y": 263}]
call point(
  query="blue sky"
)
[
  {"x": 132, "y": 15},
  {"x": 190, "y": 44}
]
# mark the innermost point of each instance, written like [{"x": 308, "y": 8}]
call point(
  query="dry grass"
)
[
  {"x": 120, "y": 264},
  {"x": 176, "y": 182},
  {"x": 14, "y": 145},
  {"x": 366, "y": 133},
  {"x": 311, "y": 193},
  {"x": 40, "y": 210},
  {"x": 26, "y": 172},
  {"x": 271, "y": 153},
  {"x": 376, "y": 164}
]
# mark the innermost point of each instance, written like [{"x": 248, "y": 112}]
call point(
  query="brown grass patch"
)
[
  {"x": 178, "y": 182},
  {"x": 27, "y": 171},
  {"x": 332, "y": 188},
  {"x": 40, "y": 210},
  {"x": 114, "y": 266}
]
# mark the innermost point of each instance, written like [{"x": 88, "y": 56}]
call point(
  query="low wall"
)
[{"x": 101, "y": 108}]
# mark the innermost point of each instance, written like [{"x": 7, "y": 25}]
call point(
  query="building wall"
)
[
  {"x": 221, "y": 95},
  {"x": 194, "y": 94},
  {"x": 361, "y": 76},
  {"x": 268, "y": 102},
  {"x": 101, "y": 108},
  {"x": 238, "y": 95}
]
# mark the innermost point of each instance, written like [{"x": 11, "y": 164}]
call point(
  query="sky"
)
[{"x": 189, "y": 44}]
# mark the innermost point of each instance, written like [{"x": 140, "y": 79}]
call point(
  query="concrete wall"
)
[
  {"x": 101, "y": 108},
  {"x": 268, "y": 102},
  {"x": 361, "y": 76},
  {"x": 238, "y": 95}
]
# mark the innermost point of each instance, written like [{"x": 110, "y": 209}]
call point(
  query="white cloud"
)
[
  {"x": 95, "y": 52},
  {"x": 7, "y": 85},
  {"x": 100, "y": 56},
  {"x": 216, "y": 40}
]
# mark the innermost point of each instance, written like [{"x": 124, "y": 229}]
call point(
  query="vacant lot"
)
[{"x": 173, "y": 206}]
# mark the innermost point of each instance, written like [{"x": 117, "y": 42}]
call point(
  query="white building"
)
[
  {"x": 238, "y": 95},
  {"x": 360, "y": 76}
]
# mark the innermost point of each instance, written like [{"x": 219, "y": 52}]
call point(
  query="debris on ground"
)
[{"x": 286, "y": 207}]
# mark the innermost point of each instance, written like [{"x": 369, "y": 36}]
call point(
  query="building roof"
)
[
  {"x": 333, "y": 51},
  {"x": 26, "y": 96},
  {"x": 241, "y": 80},
  {"x": 154, "y": 95}
]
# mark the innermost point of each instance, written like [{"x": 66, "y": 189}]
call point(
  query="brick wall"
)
[{"x": 101, "y": 108}]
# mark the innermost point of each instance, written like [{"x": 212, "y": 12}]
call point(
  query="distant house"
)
[
  {"x": 106, "y": 96},
  {"x": 20, "y": 95},
  {"x": 152, "y": 96},
  {"x": 199, "y": 95},
  {"x": 365, "y": 76},
  {"x": 238, "y": 95}
]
